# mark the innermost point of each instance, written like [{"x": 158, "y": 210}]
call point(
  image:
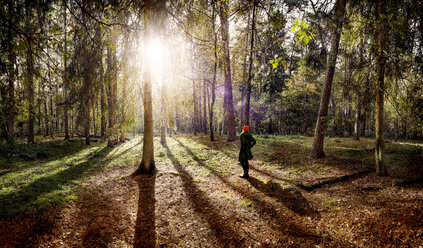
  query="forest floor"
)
[{"x": 66, "y": 194}]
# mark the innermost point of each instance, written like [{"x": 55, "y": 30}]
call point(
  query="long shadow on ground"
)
[
  {"x": 290, "y": 198},
  {"x": 145, "y": 229},
  {"x": 29, "y": 194},
  {"x": 225, "y": 234},
  {"x": 279, "y": 222},
  {"x": 36, "y": 223}
]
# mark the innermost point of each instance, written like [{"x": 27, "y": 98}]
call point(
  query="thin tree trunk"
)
[
  {"x": 163, "y": 113},
  {"x": 94, "y": 115},
  {"x": 111, "y": 89},
  {"x": 357, "y": 116},
  {"x": 102, "y": 96},
  {"x": 147, "y": 164},
  {"x": 65, "y": 76},
  {"x": 11, "y": 82},
  {"x": 224, "y": 11},
  {"x": 30, "y": 79},
  {"x": 317, "y": 151},
  {"x": 213, "y": 86},
  {"x": 250, "y": 68},
  {"x": 380, "y": 166},
  {"x": 200, "y": 118},
  {"x": 195, "y": 119},
  {"x": 46, "y": 116},
  {"x": 204, "y": 108}
]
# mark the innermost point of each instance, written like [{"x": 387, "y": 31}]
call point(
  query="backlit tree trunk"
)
[
  {"x": 213, "y": 86},
  {"x": 244, "y": 72},
  {"x": 147, "y": 164},
  {"x": 250, "y": 68},
  {"x": 224, "y": 12},
  {"x": 317, "y": 151},
  {"x": 111, "y": 90},
  {"x": 380, "y": 166}
]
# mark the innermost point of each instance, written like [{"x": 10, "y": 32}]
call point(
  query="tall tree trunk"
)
[
  {"x": 111, "y": 89},
  {"x": 11, "y": 82},
  {"x": 317, "y": 151},
  {"x": 122, "y": 127},
  {"x": 224, "y": 11},
  {"x": 147, "y": 164},
  {"x": 357, "y": 116},
  {"x": 250, "y": 68},
  {"x": 163, "y": 113},
  {"x": 200, "y": 118},
  {"x": 380, "y": 87},
  {"x": 94, "y": 115},
  {"x": 194, "y": 92},
  {"x": 213, "y": 86},
  {"x": 244, "y": 71},
  {"x": 204, "y": 108},
  {"x": 102, "y": 96},
  {"x": 65, "y": 74},
  {"x": 30, "y": 78}
]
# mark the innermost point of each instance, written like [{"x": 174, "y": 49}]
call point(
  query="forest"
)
[{"x": 124, "y": 122}]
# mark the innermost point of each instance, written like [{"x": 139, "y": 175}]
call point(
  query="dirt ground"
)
[{"x": 196, "y": 199}]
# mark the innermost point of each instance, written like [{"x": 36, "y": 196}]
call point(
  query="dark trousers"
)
[{"x": 244, "y": 165}]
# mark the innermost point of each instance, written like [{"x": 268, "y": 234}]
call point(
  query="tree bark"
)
[
  {"x": 102, "y": 95},
  {"x": 30, "y": 77},
  {"x": 224, "y": 11},
  {"x": 147, "y": 163},
  {"x": 65, "y": 76},
  {"x": 194, "y": 92},
  {"x": 213, "y": 86},
  {"x": 250, "y": 68},
  {"x": 204, "y": 107},
  {"x": 11, "y": 82},
  {"x": 111, "y": 75},
  {"x": 380, "y": 87},
  {"x": 244, "y": 72},
  {"x": 357, "y": 116},
  {"x": 317, "y": 151}
]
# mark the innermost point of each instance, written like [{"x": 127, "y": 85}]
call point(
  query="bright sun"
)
[{"x": 155, "y": 52}]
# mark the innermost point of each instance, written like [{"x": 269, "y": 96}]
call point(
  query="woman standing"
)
[{"x": 247, "y": 142}]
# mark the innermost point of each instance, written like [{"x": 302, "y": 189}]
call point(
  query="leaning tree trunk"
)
[
  {"x": 380, "y": 166},
  {"x": 147, "y": 163},
  {"x": 317, "y": 151},
  {"x": 250, "y": 68},
  {"x": 224, "y": 11}
]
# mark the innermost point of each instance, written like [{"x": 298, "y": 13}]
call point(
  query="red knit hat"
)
[{"x": 246, "y": 128}]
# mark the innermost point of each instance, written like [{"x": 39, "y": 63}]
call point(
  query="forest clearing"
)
[
  {"x": 196, "y": 199},
  {"x": 211, "y": 123}
]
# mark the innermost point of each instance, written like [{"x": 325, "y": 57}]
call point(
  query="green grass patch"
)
[{"x": 58, "y": 169}]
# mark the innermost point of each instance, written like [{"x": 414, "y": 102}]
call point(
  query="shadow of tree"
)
[
  {"x": 279, "y": 222},
  {"x": 145, "y": 230},
  {"x": 225, "y": 234},
  {"x": 291, "y": 198},
  {"x": 26, "y": 196}
]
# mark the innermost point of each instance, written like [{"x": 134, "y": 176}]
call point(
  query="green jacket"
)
[{"x": 247, "y": 141}]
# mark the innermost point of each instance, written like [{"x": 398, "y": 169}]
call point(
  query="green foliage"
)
[{"x": 301, "y": 30}]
